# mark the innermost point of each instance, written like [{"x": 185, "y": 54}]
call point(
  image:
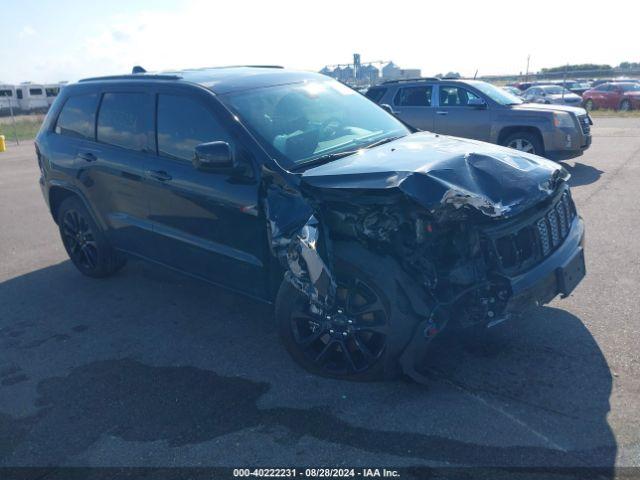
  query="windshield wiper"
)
[
  {"x": 323, "y": 159},
  {"x": 382, "y": 141},
  {"x": 337, "y": 155}
]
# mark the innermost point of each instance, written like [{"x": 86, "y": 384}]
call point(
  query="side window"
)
[
  {"x": 455, "y": 96},
  {"x": 126, "y": 120},
  {"x": 375, "y": 93},
  {"x": 19, "y": 93},
  {"x": 77, "y": 118},
  {"x": 414, "y": 96},
  {"x": 184, "y": 123},
  {"x": 35, "y": 91}
]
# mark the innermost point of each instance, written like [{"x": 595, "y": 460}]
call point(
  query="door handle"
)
[
  {"x": 87, "y": 156},
  {"x": 158, "y": 175},
  {"x": 441, "y": 112}
]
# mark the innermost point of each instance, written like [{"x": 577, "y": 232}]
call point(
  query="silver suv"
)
[{"x": 481, "y": 111}]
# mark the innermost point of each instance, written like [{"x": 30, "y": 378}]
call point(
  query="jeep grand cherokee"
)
[{"x": 371, "y": 238}]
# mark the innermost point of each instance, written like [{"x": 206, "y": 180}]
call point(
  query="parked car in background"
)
[
  {"x": 551, "y": 94},
  {"x": 575, "y": 86},
  {"x": 512, "y": 90},
  {"x": 614, "y": 95},
  {"x": 479, "y": 110}
]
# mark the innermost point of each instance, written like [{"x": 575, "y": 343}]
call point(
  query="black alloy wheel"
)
[
  {"x": 85, "y": 243},
  {"x": 349, "y": 341},
  {"x": 79, "y": 239}
]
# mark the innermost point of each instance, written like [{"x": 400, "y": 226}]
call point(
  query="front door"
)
[
  {"x": 205, "y": 223},
  {"x": 454, "y": 116}
]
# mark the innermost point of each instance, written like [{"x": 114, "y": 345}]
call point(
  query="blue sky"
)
[{"x": 49, "y": 40}]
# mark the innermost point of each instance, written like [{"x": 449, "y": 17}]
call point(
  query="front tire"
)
[
  {"x": 524, "y": 142},
  {"x": 360, "y": 340},
  {"x": 589, "y": 106},
  {"x": 84, "y": 241}
]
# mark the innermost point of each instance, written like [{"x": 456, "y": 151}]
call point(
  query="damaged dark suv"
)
[{"x": 371, "y": 238}]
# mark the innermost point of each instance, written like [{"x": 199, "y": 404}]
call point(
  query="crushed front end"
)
[{"x": 478, "y": 237}]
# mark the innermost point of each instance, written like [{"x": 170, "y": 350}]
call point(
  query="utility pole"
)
[{"x": 526, "y": 75}]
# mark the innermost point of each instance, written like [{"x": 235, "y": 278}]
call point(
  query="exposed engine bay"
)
[{"x": 459, "y": 234}]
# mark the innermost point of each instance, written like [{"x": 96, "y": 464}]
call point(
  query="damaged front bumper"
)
[{"x": 558, "y": 274}]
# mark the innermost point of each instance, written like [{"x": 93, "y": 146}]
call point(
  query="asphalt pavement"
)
[{"x": 152, "y": 368}]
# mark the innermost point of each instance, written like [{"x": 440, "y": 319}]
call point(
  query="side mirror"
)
[
  {"x": 478, "y": 103},
  {"x": 387, "y": 108},
  {"x": 213, "y": 156}
]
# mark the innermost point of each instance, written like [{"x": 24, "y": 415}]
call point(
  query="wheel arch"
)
[
  {"x": 59, "y": 192},
  {"x": 510, "y": 130}
]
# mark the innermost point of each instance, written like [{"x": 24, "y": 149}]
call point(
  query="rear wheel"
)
[
  {"x": 524, "y": 142},
  {"x": 356, "y": 341},
  {"x": 84, "y": 242},
  {"x": 589, "y": 105},
  {"x": 625, "y": 105}
]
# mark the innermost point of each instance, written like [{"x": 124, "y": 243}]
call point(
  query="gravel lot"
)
[{"x": 150, "y": 368}]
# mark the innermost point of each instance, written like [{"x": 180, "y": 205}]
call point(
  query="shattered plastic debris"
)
[
  {"x": 294, "y": 240},
  {"x": 308, "y": 269}
]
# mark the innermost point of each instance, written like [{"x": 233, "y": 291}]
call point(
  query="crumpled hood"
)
[{"x": 443, "y": 173}]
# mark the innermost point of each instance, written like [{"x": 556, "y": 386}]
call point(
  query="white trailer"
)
[
  {"x": 7, "y": 99},
  {"x": 31, "y": 98},
  {"x": 51, "y": 91}
]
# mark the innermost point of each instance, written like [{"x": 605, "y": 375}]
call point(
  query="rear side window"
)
[
  {"x": 414, "y": 96},
  {"x": 77, "y": 118},
  {"x": 35, "y": 91},
  {"x": 126, "y": 120},
  {"x": 375, "y": 94},
  {"x": 184, "y": 123}
]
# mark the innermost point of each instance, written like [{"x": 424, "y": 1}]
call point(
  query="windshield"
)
[
  {"x": 496, "y": 94},
  {"x": 299, "y": 123}
]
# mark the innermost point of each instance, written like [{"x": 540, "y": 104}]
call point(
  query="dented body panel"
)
[
  {"x": 455, "y": 191},
  {"x": 445, "y": 172}
]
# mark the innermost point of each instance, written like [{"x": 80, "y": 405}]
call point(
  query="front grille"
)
[
  {"x": 530, "y": 242},
  {"x": 585, "y": 124}
]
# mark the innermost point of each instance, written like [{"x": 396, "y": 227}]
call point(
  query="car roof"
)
[{"x": 221, "y": 80}]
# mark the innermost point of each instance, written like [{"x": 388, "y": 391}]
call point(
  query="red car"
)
[{"x": 614, "y": 95}]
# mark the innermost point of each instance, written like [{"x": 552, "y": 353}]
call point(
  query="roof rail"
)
[
  {"x": 134, "y": 76},
  {"x": 418, "y": 79}
]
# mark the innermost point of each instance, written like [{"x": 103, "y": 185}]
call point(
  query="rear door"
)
[
  {"x": 113, "y": 173},
  {"x": 454, "y": 116},
  {"x": 414, "y": 105},
  {"x": 204, "y": 223}
]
